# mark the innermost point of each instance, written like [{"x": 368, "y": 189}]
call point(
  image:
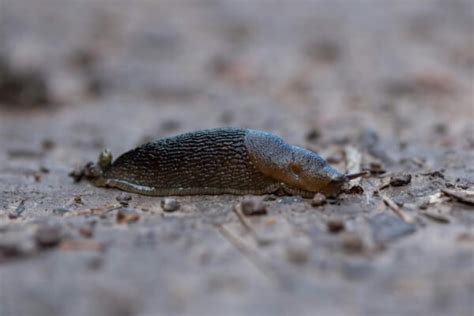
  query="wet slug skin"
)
[{"x": 217, "y": 161}]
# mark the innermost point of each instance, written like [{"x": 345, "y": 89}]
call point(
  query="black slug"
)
[{"x": 217, "y": 161}]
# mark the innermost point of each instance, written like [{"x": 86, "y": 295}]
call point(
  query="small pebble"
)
[
  {"x": 352, "y": 243},
  {"x": 43, "y": 169},
  {"x": 298, "y": 252},
  {"x": 86, "y": 231},
  {"x": 465, "y": 237},
  {"x": 437, "y": 173},
  {"x": 13, "y": 216},
  {"x": 399, "y": 180},
  {"x": 127, "y": 216},
  {"x": 16, "y": 244},
  {"x": 440, "y": 128},
  {"x": 169, "y": 205},
  {"x": 37, "y": 177},
  {"x": 48, "y": 235},
  {"x": 95, "y": 263},
  {"x": 318, "y": 200},
  {"x": 297, "y": 255},
  {"x": 253, "y": 206},
  {"x": 376, "y": 168},
  {"x": 313, "y": 135},
  {"x": 48, "y": 144},
  {"x": 124, "y": 199},
  {"x": 335, "y": 226},
  {"x": 78, "y": 199}
]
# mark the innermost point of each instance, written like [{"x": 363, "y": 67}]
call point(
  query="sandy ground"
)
[{"x": 370, "y": 85}]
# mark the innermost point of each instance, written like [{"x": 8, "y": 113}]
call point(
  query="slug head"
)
[
  {"x": 309, "y": 172},
  {"x": 296, "y": 167}
]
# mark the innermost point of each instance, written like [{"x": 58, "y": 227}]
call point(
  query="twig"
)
[
  {"x": 385, "y": 184},
  {"x": 436, "y": 217},
  {"x": 353, "y": 161},
  {"x": 466, "y": 197},
  {"x": 20, "y": 208},
  {"x": 252, "y": 255},
  {"x": 96, "y": 210},
  {"x": 242, "y": 220},
  {"x": 397, "y": 210},
  {"x": 245, "y": 223}
]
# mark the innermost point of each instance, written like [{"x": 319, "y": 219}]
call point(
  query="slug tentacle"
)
[{"x": 217, "y": 161}]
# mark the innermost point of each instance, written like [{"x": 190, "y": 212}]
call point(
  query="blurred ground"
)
[{"x": 368, "y": 84}]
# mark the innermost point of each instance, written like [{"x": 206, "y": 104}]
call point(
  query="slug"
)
[{"x": 217, "y": 161}]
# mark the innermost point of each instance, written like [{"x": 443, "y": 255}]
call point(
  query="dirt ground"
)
[{"x": 384, "y": 86}]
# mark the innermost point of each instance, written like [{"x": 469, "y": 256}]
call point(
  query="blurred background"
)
[
  {"x": 403, "y": 69},
  {"x": 394, "y": 79}
]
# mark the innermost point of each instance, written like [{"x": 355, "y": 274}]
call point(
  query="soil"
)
[{"x": 381, "y": 86}]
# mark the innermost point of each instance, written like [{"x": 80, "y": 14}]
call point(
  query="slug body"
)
[{"x": 217, "y": 161}]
